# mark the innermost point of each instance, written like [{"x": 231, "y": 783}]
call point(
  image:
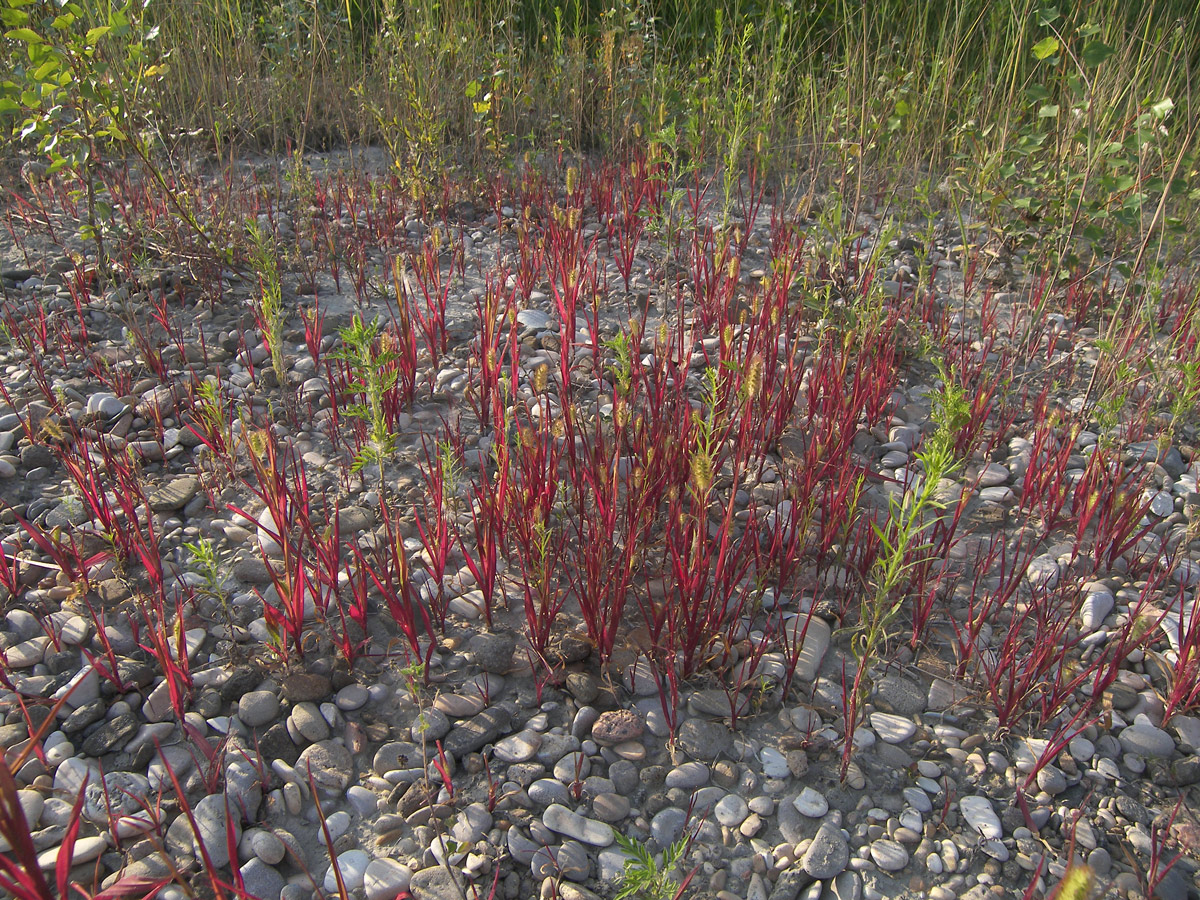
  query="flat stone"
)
[
  {"x": 891, "y": 728},
  {"x": 520, "y": 847},
  {"x": 703, "y": 739},
  {"x": 351, "y": 697},
  {"x": 212, "y": 819},
  {"x": 900, "y": 695},
  {"x": 583, "y": 687},
  {"x": 519, "y": 747},
  {"x": 790, "y": 884},
  {"x": 471, "y": 824},
  {"x": 434, "y": 883},
  {"x": 563, "y": 821},
  {"x": 610, "y": 807},
  {"x": 430, "y": 726},
  {"x": 811, "y": 803},
  {"x": 547, "y": 791},
  {"x": 262, "y": 880},
  {"x": 667, "y": 826},
  {"x": 492, "y": 652},
  {"x": 301, "y": 687},
  {"x": 85, "y": 850},
  {"x": 617, "y": 727},
  {"x": 353, "y": 867},
  {"x": 396, "y": 755},
  {"x": 25, "y": 654},
  {"x": 477, "y": 731},
  {"x": 307, "y": 719},
  {"x": 459, "y": 706},
  {"x": 944, "y": 694},
  {"x": 567, "y": 861},
  {"x": 1145, "y": 739},
  {"x": 889, "y": 855},
  {"x": 688, "y": 776},
  {"x": 175, "y": 494},
  {"x": 329, "y": 762},
  {"x": 812, "y": 651},
  {"x": 385, "y": 878},
  {"x": 979, "y": 814},
  {"x": 266, "y": 845},
  {"x": 731, "y": 810},
  {"x": 828, "y": 854},
  {"x": 1098, "y": 602},
  {"x": 112, "y": 734},
  {"x": 258, "y": 708}
]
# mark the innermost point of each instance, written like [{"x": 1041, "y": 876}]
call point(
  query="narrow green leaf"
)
[{"x": 1046, "y": 47}]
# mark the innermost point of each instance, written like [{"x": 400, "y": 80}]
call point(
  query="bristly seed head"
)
[
  {"x": 702, "y": 472},
  {"x": 753, "y": 381},
  {"x": 572, "y": 179},
  {"x": 541, "y": 378}
]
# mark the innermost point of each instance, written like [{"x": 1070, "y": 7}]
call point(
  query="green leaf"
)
[
  {"x": 46, "y": 69},
  {"x": 24, "y": 35},
  {"x": 1049, "y": 111},
  {"x": 13, "y": 18},
  {"x": 1162, "y": 108},
  {"x": 1096, "y": 52},
  {"x": 1046, "y": 47},
  {"x": 8, "y": 105},
  {"x": 1037, "y": 93},
  {"x": 94, "y": 34}
]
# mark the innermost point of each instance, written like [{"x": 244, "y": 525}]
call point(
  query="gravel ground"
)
[{"x": 544, "y": 777}]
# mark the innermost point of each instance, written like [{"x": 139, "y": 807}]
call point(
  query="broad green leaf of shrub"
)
[
  {"x": 1095, "y": 53},
  {"x": 1046, "y": 47}
]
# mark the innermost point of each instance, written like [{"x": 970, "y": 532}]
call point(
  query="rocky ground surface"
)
[{"x": 532, "y": 786}]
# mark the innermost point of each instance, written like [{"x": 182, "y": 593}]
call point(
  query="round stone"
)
[
  {"x": 889, "y": 855},
  {"x": 353, "y": 866},
  {"x": 329, "y": 763},
  {"x": 828, "y": 853},
  {"x": 267, "y": 846},
  {"x": 385, "y": 878},
  {"x": 352, "y": 697},
  {"x": 811, "y": 803},
  {"x": 731, "y": 810},
  {"x": 258, "y": 708},
  {"x": 610, "y": 807}
]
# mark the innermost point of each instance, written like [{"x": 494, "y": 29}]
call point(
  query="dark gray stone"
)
[{"x": 473, "y": 734}]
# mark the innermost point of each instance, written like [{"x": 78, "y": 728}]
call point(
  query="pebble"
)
[
  {"x": 688, "y": 776},
  {"x": 811, "y": 803},
  {"x": 258, "y": 708},
  {"x": 353, "y": 867},
  {"x": 563, "y": 821},
  {"x": 889, "y": 855},
  {"x": 1145, "y": 739},
  {"x": 892, "y": 728},
  {"x": 828, "y": 853},
  {"x": 731, "y": 810},
  {"x": 979, "y": 814},
  {"x": 261, "y": 880},
  {"x": 385, "y": 878}
]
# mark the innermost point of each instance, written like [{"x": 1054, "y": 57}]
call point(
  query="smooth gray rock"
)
[{"x": 828, "y": 854}]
